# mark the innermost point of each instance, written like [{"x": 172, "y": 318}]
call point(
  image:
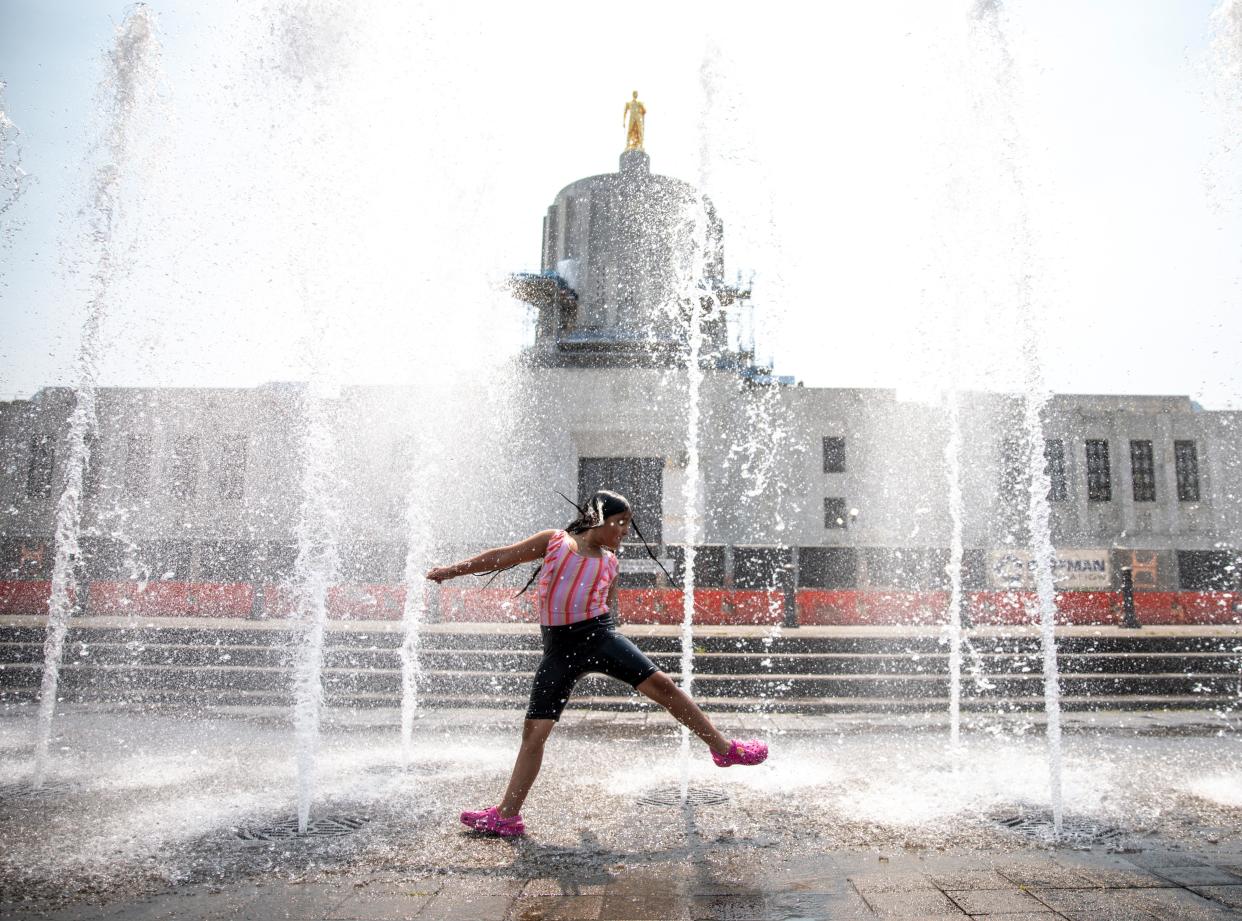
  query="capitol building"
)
[{"x": 814, "y": 505}]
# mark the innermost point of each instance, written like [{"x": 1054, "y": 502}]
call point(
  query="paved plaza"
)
[
  {"x": 852, "y": 818},
  {"x": 704, "y": 883}
]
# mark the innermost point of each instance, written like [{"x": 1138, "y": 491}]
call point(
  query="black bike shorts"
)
[{"x": 573, "y": 650}]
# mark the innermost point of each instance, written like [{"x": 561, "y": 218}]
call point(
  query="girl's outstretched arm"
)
[{"x": 524, "y": 551}]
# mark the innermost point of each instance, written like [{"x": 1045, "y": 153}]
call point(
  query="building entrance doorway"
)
[{"x": 639, "y": 479}]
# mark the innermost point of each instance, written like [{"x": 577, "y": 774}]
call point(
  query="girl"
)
[{"x": 577, "y": 603}]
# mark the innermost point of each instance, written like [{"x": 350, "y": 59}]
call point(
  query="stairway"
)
[{"x": 192, "y": 664}]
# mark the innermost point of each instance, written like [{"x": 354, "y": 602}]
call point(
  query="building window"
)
[
  {"x": 1099, "y": 477},
  {"x": 827, "y": 567},
  {"x": 835, "y": 513},
  {"x": 42, "y": 466},
  {"x": 1012, "y": 467},
  {"x": 1209, "y": 570},
  {"x": 834, "y": 455},
  {"x": 233, "y": 467},
  {"x": 1186, "y": 457},
  {"x": 1143, "y": 471},
  {"x": 137, "y": 463},
  {"x": 709, "y": 564},
  {"x": 763, "y": 568},
  {"x": 639, "y": 479},
  {"x": 184, "y": 468},
  {"x": 1054, "y": 466}
]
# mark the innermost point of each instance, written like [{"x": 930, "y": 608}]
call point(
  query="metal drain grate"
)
[
  {"x": 21, "y": 791},
  {"x": 332, "y": 826},
  {"x": 1038, "y": 824},
  {"x": 695, "y": 796}
]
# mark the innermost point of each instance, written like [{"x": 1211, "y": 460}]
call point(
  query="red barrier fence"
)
[
  {"x": 845, "y": 607},
  {"x": 25, "y": 597},
  {"x": 155, "y": 599}
]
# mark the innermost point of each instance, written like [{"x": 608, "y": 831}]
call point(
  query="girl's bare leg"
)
[
  {"x": 526, "y": 768},
  {"x": 660, "y": 688}
]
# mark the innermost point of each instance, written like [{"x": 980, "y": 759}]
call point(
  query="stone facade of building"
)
[{"x": 831, "y": 504}]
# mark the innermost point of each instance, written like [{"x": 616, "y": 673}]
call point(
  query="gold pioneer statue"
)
[{"x": 633, "y": 117}]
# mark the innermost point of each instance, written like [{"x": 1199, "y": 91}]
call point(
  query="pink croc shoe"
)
[
  {"x": 751, "y": 752},
  {"x": 489, "y": 822}
]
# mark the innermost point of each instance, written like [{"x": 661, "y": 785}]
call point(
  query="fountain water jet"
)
[
  {"x": 414, "y": 608},
  {"x": 694, "y": 380},
  {"x": 312, "y": 49},
  {"x": 316, "y": 569},
  {"x": 1227, "y": 57},
  {"x": 127, "y": 86},
  {"x": 412, "y": 615},
  {"x": 1045, "y": 589},
  {"x": 988, "y": 30},
  {"x": 953, "y": 474},
  {"x": 13, "y": 178}
]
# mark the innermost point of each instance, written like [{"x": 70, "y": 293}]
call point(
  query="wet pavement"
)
[
  {"x": 156, "y": 816},
  {"x": 1090, "y": 885}
]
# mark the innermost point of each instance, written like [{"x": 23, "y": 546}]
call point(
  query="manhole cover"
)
[
  {"x": 333, "y": 826},
  {"x": 695, "y": 796},
  {"x": 1074, "y": 829},
  {"x": 19, "y": 791}
]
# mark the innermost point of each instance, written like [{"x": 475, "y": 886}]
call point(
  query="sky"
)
[{"x": 838, "y": 143}]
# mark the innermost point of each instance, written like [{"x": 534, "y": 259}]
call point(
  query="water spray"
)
[
  {"x": 988, "y": 28},
  {"x": 127, "y": 86}
]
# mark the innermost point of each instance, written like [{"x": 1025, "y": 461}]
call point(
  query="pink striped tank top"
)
[{"x": 573, "y": 587}]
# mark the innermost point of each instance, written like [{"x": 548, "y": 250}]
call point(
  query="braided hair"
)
[{"x": 603, "y": 504}]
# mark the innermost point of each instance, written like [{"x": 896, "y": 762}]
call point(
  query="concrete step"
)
[
  {"x": 816, "y": 670},
  {"x": 722, "y": 663},
  {"x": 653, "y": 640},
  {"x": 179, "y": 701},
  {"x": 81, "y": 676}
]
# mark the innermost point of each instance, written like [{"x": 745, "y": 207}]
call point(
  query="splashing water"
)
[
  {"x": 414, "y": 610},
  {"x": 312, "y": 45},
  {"x": 988, "y": 31},
  {"x": 316, "y": 569},
  {"x": 13, "y": 177},
  {"x": 1228, "y": 19},
  {"x": 762, "y": 456},
  {"x": 687, "y": 297},
  {"x": 953, "y": 474},
  {"x": 128, "y": 85},
  {"x": 1226, "y": 61},
  {"x": 694, "y": 378},
  {"x": 690, "y": 297},
  {"x": 1045, "y": 588}
]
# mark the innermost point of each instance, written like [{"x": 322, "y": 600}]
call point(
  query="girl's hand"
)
[{"x": 440, "y": 574}]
